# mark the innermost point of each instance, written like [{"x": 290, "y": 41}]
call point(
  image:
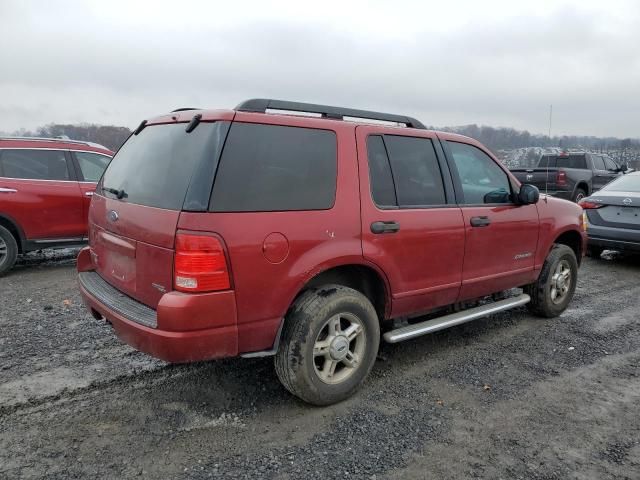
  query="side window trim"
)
[{"x": 458, "y": 183}]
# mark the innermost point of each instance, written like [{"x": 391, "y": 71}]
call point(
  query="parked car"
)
[
  {"x": 308, "y": 238},
  {"x": 45, "y": 191},
  {"x": 612, "y": 215},
  {"x": 571, "y": 175}
]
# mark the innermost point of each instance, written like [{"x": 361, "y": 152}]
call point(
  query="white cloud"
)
[{"x": 490, "y": 62}]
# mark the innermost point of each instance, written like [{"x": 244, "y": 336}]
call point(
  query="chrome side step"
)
[{"x": 440, "y": 323}]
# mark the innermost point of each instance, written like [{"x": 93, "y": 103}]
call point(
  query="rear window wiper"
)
[{"x": 120, "y": 194}]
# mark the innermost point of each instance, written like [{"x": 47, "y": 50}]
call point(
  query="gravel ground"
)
[{"x": 511, "y": 396}]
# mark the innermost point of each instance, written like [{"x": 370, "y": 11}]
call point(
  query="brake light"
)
[
  {"x": 200, "y": 264},
  {"x": 561, "y": 178},
  {"x": 587, "y": 205}
]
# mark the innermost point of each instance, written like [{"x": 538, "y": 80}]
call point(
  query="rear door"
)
[
  {"x": 89, "y": 167},
  {"x": 501, "y": 237},
  {"x": 411, "y": 226},
  {"x": 39, "y": 190}
]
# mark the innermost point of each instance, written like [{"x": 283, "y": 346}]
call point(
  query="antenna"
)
[{"x": 546, "y": 178}]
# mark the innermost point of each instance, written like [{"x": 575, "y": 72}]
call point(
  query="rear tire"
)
[
  {"x": 329, "y": 344},
  {"x": 8, "y": 250},
  {"x": 554, "y": 289},
  {"x": 594, "y": 252},
  {"x": 579, "y": 195}
]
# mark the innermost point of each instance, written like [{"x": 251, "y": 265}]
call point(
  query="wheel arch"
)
[
  {"x": 10, "y": 224},
  {"x": 573, "y": 240},
  {"x": 582, "y": 185},
  {"x": 366, "y": 278}
]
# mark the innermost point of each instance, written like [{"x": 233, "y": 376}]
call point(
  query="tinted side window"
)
[
  {"x": 276, "y": 168},
  {"x": 483, "y": 181},
  {"x": 610, "y": 164},
  {"x": 382, "y": 188},
  {"x": 34, "y": 164},
  {"x": 416, "y": 172},
  {"x": 92, "y": 165},
  {"x": 598, "y": 163}
]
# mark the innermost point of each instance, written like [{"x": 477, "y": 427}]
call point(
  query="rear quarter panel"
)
[{"x": 314, "y": 241}]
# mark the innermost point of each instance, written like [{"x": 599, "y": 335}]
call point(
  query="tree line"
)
[{"x": 496, "y": 139}]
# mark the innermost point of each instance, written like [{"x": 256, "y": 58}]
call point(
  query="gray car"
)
[{"x": 612, "y": 215}]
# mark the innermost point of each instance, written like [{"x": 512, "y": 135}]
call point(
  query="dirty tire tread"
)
[
  {"x": 296, "y": 328},
  {"x": 540, "y": 303},
  {"x": 12, "y": 250}
]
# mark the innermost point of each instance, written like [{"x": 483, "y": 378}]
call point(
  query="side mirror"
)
[
  {"x": 528, "y": 194},
  {"x": 623, "y": 168}
]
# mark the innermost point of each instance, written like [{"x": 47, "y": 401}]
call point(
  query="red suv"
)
[
  {"x": 45, "y": 191},
  {"x": 307, "y": 232}
]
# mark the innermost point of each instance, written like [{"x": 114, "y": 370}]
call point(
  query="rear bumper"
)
[
  {"x": 614, "y": 238},
  {"x": 189, "y": 327}
]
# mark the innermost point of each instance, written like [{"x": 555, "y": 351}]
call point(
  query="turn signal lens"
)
[{"x": 200, "y": 264}]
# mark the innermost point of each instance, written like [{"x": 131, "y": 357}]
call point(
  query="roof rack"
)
[
  {"x": 56, "y": 139},
  {"x": 184, "y": 109},
  {"x": 261, "y": 105}
]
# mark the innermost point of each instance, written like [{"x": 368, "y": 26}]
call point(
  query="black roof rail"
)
[
  {"x": 184, "y": 109},
  {"x": 261, "y": 105}
]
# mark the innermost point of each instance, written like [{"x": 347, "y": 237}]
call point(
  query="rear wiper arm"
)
[{"x": 120, "y": 194}]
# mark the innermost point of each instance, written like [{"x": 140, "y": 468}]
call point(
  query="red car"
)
[
  {"x": 45, "y": 191},
  {"x": 309, "y": 232}
]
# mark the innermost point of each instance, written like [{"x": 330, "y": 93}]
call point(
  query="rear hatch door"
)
[{"x": 134, "y": 214}]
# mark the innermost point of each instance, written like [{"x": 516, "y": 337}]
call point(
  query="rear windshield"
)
[
  {"x": 154, "y": 168},
  {"x": 626, "y": 183},
  {"x": 565, "y": 161}
]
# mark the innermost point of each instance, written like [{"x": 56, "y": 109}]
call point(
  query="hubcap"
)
[
  {"x": 3, "y": 250},
  {"x": 560, "y": 282},
  {"x": 339, "y": 348}
]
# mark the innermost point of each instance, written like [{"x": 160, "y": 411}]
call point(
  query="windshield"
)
[
  {"x": 626, "y": 183},
  {"x": 154, "y": 168}
]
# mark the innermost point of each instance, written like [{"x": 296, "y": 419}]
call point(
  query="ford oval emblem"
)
[
  {"x": 627, "y": 201},
  {"x": 112, "y": 216}
]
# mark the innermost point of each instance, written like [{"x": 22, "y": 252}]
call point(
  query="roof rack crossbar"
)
[
  {"x": 53, "y": 139},
  {"x": 184, "y": 109},
  {"x": 261, "y": 105}
]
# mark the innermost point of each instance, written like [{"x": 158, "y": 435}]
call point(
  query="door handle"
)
[
  {"x": 385, "y": 227},
  {"x": 480, "y": 221},
  {"x": 8, "y": 190},
  {"x": 88, "y": 194}
]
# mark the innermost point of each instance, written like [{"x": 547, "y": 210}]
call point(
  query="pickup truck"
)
[{"x": 571, "y": 175}]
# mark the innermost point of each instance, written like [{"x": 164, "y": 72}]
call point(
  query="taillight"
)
[
  {"x": 200, "y": 264},
  {"x": 587, "y": 205},
  {"x": 561, "y": 178}
]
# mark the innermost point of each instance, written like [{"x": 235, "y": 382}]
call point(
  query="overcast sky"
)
[{"x": 498, "y": 63}]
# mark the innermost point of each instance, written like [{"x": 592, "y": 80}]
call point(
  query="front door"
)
[
  {"x": 501, "y": 237},
  {"x": 412, "y": 228}
]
